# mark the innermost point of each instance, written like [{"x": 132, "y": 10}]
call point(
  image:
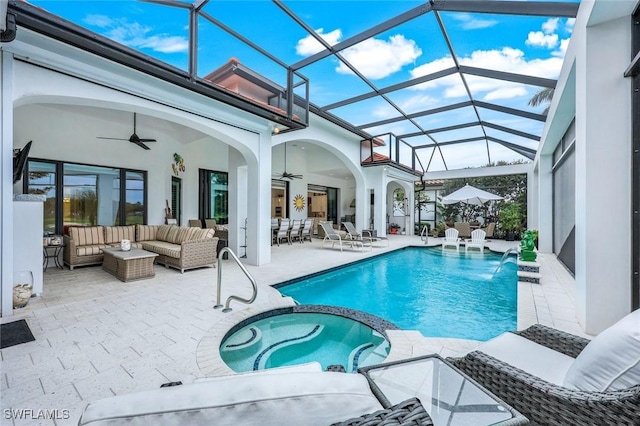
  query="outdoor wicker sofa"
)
[
  {"x": 179, "y": 247},
  {"x": 546, "y": 403}
]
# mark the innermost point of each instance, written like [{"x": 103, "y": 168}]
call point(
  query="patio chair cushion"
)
[
  {"x": 295, "y": 398},
  {"x": 611, "y": 361},
  {"x": 535, "y": 359}
]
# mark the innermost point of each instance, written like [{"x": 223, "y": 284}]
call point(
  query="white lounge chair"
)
[
  {"x": 451, "y": 239},
  {"x": 477, "y": 241},
  {"x": 330, "y": 235},
  {"x": 352, "y": 233},
  {"x": 297, "y": 395}
]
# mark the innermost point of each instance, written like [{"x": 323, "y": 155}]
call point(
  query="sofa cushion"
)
[
  {"x": 528, "y": 356},
  {"x": 184, "y": 233},
  {"x": 163, "y": 232},
  {"x": 146, "y": 232},
  {"x": 163, "y": 248},
  {"x": 87, "y": 235},
  {"x": 133, "y": 245},
  {"x": 115, "y": 234},
  {"x": 294, "y": 398},
  {"x": 201, "y": 234},
  {"x": 171, "y": 235},
  {"x": 611, "y": 361},
  {"x": 90, "y": 250}
]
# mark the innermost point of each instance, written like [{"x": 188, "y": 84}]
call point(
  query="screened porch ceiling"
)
[{"x": 451, "y": 79}]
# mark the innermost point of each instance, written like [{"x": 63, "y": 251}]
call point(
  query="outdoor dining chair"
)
[
  {"x": 294, "y": 231},
  {"x": 305, "y": 231},
  {"x": 283, "y": 231}
]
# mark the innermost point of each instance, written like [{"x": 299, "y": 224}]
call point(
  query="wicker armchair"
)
[{"x": 546, "y": 403}]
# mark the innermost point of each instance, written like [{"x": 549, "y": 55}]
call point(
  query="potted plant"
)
[
  {"x": 394, "y": 228},
  {"x": 511, "y": 219},
  {"x": 439, "y": 229}
]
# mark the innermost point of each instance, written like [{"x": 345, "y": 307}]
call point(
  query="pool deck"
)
[{"x": 97, "y": 336}]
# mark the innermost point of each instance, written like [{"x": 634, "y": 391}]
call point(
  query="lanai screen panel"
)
[{"x": 374, "y": 50}]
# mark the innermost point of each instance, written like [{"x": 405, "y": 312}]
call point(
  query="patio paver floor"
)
[{"x": 97, "y": 336}]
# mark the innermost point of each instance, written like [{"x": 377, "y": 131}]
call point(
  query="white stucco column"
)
[
  {"x": 379, "y": 186},
  {"x": 257, "y": 209},
  {"x": 544, "y": 203},
  {"x": 6, "y": 190},
  {"x": 603, "y": 175}
]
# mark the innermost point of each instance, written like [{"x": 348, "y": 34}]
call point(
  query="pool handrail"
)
[{"x": 254, "y": 285}]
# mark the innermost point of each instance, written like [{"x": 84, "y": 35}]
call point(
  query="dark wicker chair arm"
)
[
  {"x": 547, "y": 404},
  {"x": 407, "y": 413},
  {"x": 557, "y": 340}
]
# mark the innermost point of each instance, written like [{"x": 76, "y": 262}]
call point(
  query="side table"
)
[
  {"x": 447, "y": 394},
  {"x": 51, "y": 251}
]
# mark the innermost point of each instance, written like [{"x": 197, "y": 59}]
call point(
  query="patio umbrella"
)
[{"x": 470, "y": 195}]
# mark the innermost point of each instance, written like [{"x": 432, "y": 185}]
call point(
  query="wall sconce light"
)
[{"x": 353, "y": 204}]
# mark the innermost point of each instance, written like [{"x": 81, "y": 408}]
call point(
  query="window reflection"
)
[{"x": 42, "y": 181}]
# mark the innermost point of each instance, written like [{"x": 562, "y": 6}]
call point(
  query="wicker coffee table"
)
[{"x": 135, "y": 264}]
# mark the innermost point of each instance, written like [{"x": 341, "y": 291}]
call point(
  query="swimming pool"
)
[
  {"x": 439, "y": 294},
  {"x": 301, "y": 334}
]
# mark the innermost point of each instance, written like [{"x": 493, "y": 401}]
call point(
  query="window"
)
[
  {"x": 214, "y": 196},
  {"x": 134, "y": 198},
  {"x": 84, "y": 195},
  {"x": 42, "y": 180}
]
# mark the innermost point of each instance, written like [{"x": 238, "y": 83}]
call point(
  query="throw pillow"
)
[{"x": 611, "y": 361}]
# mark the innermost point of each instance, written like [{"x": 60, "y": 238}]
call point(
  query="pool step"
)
[{"x": 528, "y": 272}]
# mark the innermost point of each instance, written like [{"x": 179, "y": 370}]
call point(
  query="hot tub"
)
[{"x": 305, "y": 333}]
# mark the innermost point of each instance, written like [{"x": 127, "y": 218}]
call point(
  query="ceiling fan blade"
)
[
  {"x": 141, "y": 145},
  {"x": 147, "y": 140},
  {"x": 113, "y": 139}
]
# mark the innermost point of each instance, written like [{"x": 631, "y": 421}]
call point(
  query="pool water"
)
[
  {"x": 297, "y": 338},
  {"x": 439, "y": 294}
]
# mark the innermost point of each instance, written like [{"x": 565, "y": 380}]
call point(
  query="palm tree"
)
[{"x": 543, "y": 96}]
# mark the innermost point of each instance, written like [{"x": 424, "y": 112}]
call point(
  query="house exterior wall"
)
[{"x": 592, "y": 89}]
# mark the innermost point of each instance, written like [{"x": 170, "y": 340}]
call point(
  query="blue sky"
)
[{"x": 523, "y": 45}]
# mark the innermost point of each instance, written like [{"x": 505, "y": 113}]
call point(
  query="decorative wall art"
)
[
  {"x": 298, "y": 202},
  {"x": 178, "y": 164}
]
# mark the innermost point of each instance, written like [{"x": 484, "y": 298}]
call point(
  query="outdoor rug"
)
[{"x": 14, "y": 333}]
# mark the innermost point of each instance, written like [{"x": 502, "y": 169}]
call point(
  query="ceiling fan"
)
[
  {"x": 134, "y": 138},
  {"x": 285, "y": 174}
]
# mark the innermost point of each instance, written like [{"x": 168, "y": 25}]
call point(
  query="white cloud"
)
[
  {"x": 507, "y": 91},
  {"x": 568, "y": 26},
  {"x": 471, "y": 23},
  {"x": 506, "y": 59},
  {"x": 550, "y": 26},
  {"x": 540, "y": 39},
  {"x": 136, "y": 35},
  {"x": 376, "y": 58},
  {"x": 562, "y": 49},
  {"x": 309, "y": 45},
  {"x": 100, "y": 21}
]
